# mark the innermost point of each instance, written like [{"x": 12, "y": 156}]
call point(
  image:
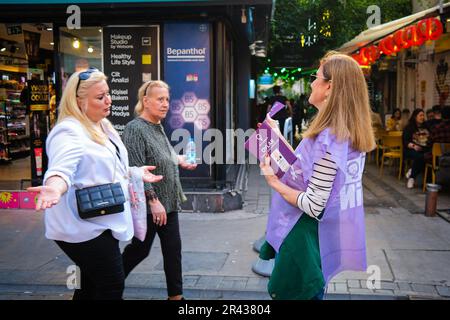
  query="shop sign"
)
[
  {"x": 414, "y": 35},
  {"x": 187, "y": 69},
  {"x": 443, "y": 44},
  {"x": 13, "y": 29},
  {"x": 38, "y": 101},
  {"x": 130, "y": 59},
  {"x": 265, "y": 79}
]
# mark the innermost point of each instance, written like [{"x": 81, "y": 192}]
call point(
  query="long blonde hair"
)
[
  {"x": 144, "y": 90},
  {"x": 347, "y": 110},
  {"x": 68, "y": 106}
]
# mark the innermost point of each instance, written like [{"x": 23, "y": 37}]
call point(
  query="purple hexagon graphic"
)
[
  {"x": 176, "y": 121},
  {"x": 202, "y": 106},
  {"x": 176, "y": 106},
  {"x": 202, "y": 122},
  {"x": 189, "y": 99},
  {"x": 189, "y": 114}
]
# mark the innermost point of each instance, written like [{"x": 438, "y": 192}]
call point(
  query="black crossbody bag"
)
[{"x": 103, "y": 199}]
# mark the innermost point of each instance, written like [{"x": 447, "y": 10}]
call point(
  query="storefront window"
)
[{"x": 79, "y": 49}]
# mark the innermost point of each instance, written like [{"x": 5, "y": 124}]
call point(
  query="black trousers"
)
[
  {"x": 418, "y": 159},
  {"x": 100, "y": 262},
  {"x": 169, "y": 236}
]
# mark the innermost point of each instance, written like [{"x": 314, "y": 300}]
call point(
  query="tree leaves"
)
[{"x": 294, "y": 18}]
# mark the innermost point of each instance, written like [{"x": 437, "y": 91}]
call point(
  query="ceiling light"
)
[
  {"x": 49, "y": 29},
  {"x": 90, "y": 49},
  {"x": 3, "y": 49},
  {"x": 99, "y": 30},
  {"x": 52, "y": 43},
  {"x": 76, "y": 44}
]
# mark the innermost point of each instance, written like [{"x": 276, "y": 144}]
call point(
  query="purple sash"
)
[{"x": 342, "y": 229}]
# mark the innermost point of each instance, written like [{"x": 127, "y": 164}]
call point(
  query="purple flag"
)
[{"x": 342, "y": 229}]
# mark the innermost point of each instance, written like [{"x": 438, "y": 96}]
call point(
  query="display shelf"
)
[
  {"x": 14, "y": 140},
  {"x": 11, "y": 151}
]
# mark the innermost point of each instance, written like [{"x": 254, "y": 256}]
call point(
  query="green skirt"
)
[{"x": 297, "y": 274}]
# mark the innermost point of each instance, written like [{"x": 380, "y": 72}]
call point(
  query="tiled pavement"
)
[{"x": 411, "y": 250}]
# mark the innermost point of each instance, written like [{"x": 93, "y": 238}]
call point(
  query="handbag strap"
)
[
  {"x": 117, "y": 149},
  {"x": 115, "y": 159}
]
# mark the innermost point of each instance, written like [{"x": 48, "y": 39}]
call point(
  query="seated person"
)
[
  {"x": 393, "y": 123},
  {"x": 415, "y": 145},
  {"x": 437, "y": 118}
]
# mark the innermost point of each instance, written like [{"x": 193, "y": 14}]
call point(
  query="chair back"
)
[
  {"x": 395, "y": 133},
  {"x": 392, "y": 142},
  {"x": 438, "y": 150}
]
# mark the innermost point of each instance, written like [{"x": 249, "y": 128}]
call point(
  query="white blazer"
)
[{"x": 81, "y": 162}]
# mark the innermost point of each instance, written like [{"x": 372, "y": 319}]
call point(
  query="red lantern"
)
[
  {"x": 423, "y": 30},
  {"x": 408, "y": 36},
  {"x": 398, "y": 39},
  {"x": 363, "y": 56},
  {"x": 435, "y": 33},
  {"x": 356, "y": 57},
  {"x": 374, "y": 54},
  {"x": 389, "y": 46}
]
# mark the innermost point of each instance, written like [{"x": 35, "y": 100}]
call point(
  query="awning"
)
[{"x": 376, "y": 33}]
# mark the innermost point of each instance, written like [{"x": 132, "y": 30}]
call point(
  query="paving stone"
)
[
  {"x": 389, "y": 285},
  {"x": 236, "y": 279},
  {"x": 330, "y": 288},
  {"x": 338, "y": 281},
  {"x": 232, "y": 284},
  {"x": 190, "y": 280},
  {"x": 401, "y": 293},
  {"x": 341, "y": 288},
  {"x": 354, "y": 284},
  {"x": 443, "y": 291},
  {"x": 403, "y": 286},
  {"x": 208, "y": 282},
  {"x": 256, "y": 284},
  {"x": 384, "y": 292},
  {"x": 423, "y": 288},
  {"x": 360, "y": 291}
]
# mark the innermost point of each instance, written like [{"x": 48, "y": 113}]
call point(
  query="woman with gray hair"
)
[{"x": 147, "y": 143}]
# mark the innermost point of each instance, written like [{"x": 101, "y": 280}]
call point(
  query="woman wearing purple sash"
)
[{"x": 325, "y": 183}]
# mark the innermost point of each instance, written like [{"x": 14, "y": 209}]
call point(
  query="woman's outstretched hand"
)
[
  {"x": 150, "y": 177},
  {"x": 48, "y": 196},
  {"x": 184, "y": 164}
]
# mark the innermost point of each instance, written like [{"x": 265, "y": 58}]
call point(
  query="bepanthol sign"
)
[{"x": 186, "y": 52}]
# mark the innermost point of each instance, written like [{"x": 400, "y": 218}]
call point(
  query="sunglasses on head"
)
[{"x": 85, "y": 75}]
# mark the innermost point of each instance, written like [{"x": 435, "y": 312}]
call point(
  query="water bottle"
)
[{"x": 190, "y": 152}]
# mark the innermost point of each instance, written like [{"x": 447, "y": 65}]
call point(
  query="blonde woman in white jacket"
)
[{"x": 85, "y": 150}]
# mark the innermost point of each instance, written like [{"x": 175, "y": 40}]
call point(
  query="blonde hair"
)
[
  {"x": 144, "y": 91},
  {"x": 68, "y": 106},
  {"x": 347, "y": 110}
]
